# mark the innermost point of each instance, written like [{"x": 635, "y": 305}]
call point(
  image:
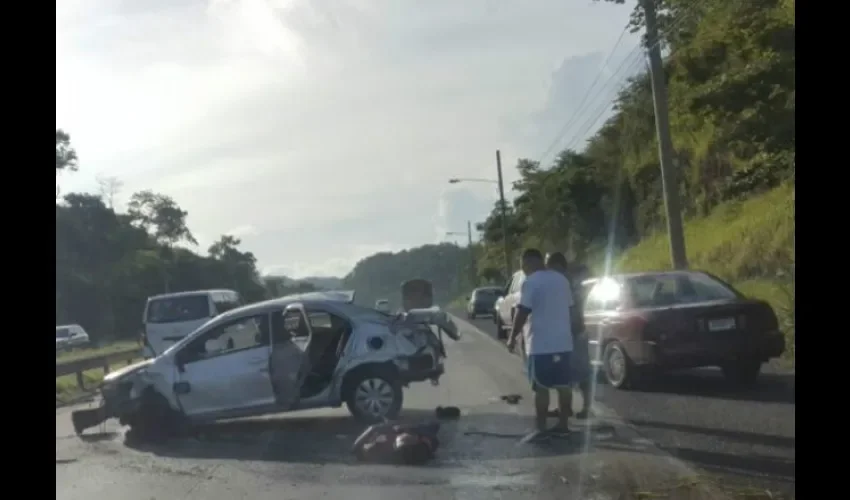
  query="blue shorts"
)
[{"x": 550, "y": 371}]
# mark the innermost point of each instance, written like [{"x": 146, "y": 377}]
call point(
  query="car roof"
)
[
  {"x": 644, "y": 274},
  {"x": 338, "y": 301},
  {"x": 189, "y": 293}
]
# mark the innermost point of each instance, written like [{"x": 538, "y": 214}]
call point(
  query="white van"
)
[{"x": 170, "y": 317}]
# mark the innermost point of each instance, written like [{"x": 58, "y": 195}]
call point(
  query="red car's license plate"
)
[{"x": 719, "y": 325}]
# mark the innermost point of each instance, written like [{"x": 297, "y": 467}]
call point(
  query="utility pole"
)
[
  {"x": 504, "y": 208},
  {"x": 669, "y": 178},
  {"x": 473, "y": 273}
]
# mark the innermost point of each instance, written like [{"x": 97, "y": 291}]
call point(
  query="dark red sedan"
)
[{"x": 650, "y": 322}]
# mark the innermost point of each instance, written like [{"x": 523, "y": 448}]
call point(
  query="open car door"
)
[{"x": 290, "y": 359}]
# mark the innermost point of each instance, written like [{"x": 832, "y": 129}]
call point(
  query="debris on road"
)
[
  {"x": 511, "y": 399},
  {"x": 399, "y": 444},
  {"x": 447, "y": 412}
]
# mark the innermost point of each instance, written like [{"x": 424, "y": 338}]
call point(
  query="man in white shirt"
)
[{"x": 544, "y": 304}]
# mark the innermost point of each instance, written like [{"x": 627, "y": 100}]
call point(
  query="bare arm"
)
[{"x": 520, "y": 318}]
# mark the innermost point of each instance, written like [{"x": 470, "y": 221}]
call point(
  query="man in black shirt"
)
[{"x": 580, "y": 359}]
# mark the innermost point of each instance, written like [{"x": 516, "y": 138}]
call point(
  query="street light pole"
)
[
  {"x": 473, "y": 272},
  {"x": 504, "y": 208}
]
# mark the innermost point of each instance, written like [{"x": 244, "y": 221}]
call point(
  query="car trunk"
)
[{"x": 709, "y": 329}]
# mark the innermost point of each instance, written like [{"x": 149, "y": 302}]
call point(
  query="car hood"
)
[{"x": 127, "y": 371}]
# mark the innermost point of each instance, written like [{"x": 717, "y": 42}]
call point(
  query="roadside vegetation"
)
[
  {"x": 731, "y": 78},
  {"x": 109, "y": 261},
  {"x": 96, "y": 352}
]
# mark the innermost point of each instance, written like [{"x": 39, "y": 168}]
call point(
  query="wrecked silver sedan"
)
[{"x": 299, "y": 352}]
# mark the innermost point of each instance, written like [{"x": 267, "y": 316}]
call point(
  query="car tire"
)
[
  {"x": 382, "y": 384},
  {"x": 742, "y": 373},
  {"x": 501, "y": 334},
  {"x": 155, "y": 420},
  {"x": 620, "y": 372}
]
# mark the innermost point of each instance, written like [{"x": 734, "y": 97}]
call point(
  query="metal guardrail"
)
[{"x": 103, "y": 362}]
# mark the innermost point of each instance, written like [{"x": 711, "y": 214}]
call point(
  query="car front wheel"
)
[
  {"x": 619, "y": 369},
  {"x": 374, "y": 394},
  {"x": 154, "y": 420},
  {"x": 500, "y": 328}
]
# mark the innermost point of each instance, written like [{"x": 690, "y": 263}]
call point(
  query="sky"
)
[{"x": 322, "y": 131}]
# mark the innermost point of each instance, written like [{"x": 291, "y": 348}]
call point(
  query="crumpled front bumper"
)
[{"x": 119, "y": 400}]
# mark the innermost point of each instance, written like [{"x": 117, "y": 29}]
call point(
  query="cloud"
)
[
  {"x": 327, "y": 126},
  {"x": 242, "y": 231}
]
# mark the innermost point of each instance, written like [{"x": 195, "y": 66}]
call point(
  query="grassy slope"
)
[{"x": 749, "y": 243}]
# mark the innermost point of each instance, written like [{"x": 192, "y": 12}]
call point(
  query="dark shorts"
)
[
  {"x": 580, "y": 359},
  {"x": 550, "y": 371}
]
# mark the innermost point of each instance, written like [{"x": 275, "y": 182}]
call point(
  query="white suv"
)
[{"x": 506, "y": 305}]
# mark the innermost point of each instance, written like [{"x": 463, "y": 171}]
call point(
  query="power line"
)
[
  {"x": 687, "y": 12},
  {"x": 602, "y": 68}
]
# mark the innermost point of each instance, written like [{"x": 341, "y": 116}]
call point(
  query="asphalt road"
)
[
  {"x": 746, "y": 437},
  {"x": 306, "y": 455}
]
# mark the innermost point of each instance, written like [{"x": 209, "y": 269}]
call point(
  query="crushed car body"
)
[{"x": 298, "y": 352}]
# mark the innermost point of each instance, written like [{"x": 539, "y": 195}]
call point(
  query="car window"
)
[
  {"x": 294, "y": 324},
  {"x": 652, "y": 291},
  {"x": 178, "y": 309},
  {"x": 671, "y": 289},
  {"x": 225, "y": 301},
  {"x": 63, "y": 333},
  {"x": 516, "y": 282},
  {"x": 320, "y": 319},
  {"x": 234, "y": 336},
  {"x": 706, "y": 288}
]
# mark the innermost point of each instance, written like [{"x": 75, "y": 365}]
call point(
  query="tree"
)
[
  {"x": 225, "y": 249},
  {"x": 109, "y": 187},
  {"x": 160, "y": 216},
  {"x": 66, "y": 156},
  {"x": 380, "y": 276}
]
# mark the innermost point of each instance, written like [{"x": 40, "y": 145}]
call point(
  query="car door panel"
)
[
  {"x": 289, "y": 362},
  {"x": 216, "y": 379},
  {"x": 229, "y": 382}
]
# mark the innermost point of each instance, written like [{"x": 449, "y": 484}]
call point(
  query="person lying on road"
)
[{"x": 391, "y": 443}]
